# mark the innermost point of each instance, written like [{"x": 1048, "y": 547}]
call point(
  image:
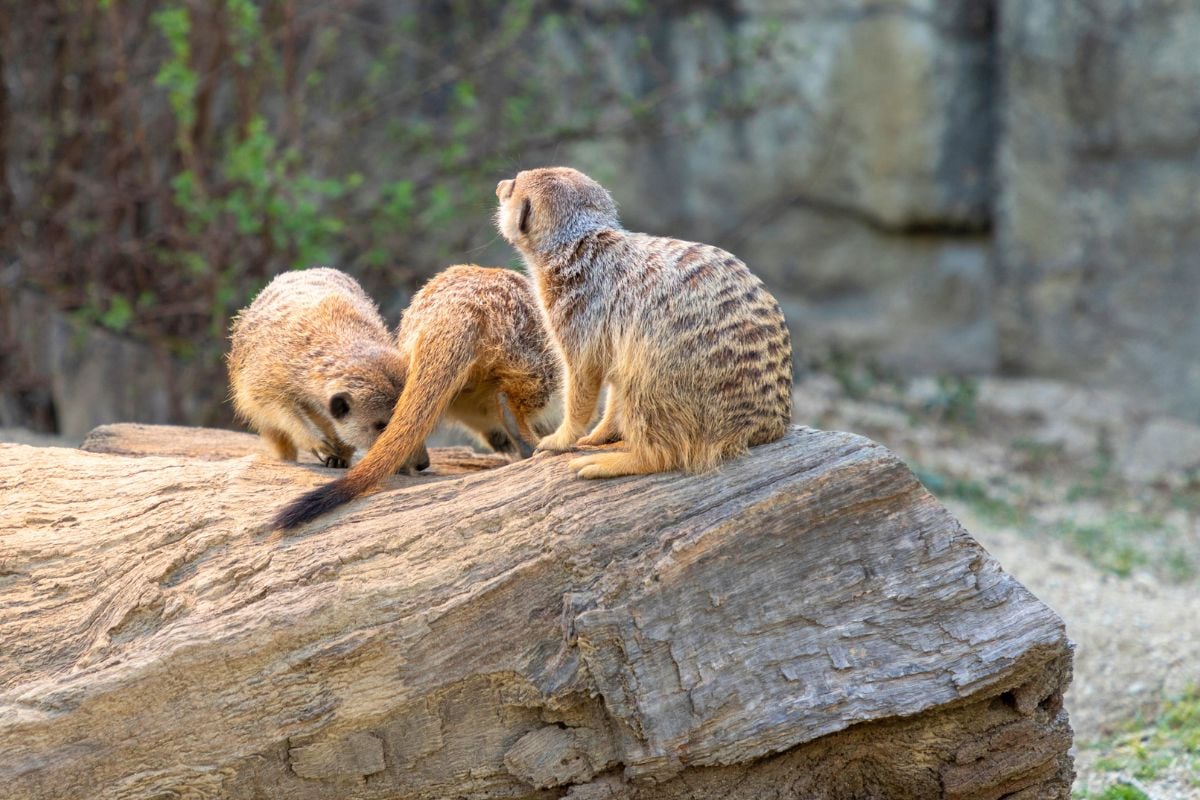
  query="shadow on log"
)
[{"x": 806, "y": 622}]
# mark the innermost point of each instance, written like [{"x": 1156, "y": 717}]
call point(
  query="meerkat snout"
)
[{"x": 312, "y": 366}]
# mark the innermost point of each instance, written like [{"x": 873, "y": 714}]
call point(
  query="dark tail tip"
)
[{"x": 311, "y": 505}]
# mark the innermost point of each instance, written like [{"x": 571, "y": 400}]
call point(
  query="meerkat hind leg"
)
[
  {"x": 614, "y": 465},
  {"x": 608, "y": 429}
]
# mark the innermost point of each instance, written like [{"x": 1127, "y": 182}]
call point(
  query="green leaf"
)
[
  {"x": 194, "y": 263},
  {"x": 398, "y": 201},
  {"x": 464, "y": 95},
  {"x": 246, "y": 30},
  {"x": 118, "y": 315}
]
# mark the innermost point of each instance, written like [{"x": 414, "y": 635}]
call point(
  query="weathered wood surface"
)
[
  {"x": 806, "y": 622},
  {"x": 212, "y": 444}
]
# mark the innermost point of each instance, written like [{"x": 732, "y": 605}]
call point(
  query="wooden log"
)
[{"x": 805, "y": 622}]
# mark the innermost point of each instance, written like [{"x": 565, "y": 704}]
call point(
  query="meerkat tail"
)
[
  {"x": 441, "y": 364},
  {"x": 313, "y": 504}
]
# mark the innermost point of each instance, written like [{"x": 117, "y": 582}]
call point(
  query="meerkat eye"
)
[
  {"x": 339, "y": 405},
  {"x": 526, "y": 210},
  {"x": 379, "y": 426}
]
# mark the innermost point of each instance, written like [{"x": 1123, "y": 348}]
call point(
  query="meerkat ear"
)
[
  {"x": 339, "y": 405},
  {"x": 526, "y": 210}
]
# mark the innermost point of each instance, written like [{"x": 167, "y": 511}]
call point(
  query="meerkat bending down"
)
[
  {"x": 313, "y": 367},
  {"x": 477, "y": 354},
  {"x": 693, "y": 348}
]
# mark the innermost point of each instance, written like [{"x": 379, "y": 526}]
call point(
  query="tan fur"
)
[
  {"x": 694, "y": 349},
  {"x": 472, "y": 333},
  {"x": 477, "y": 352},
  {"x": 309, "y": 336}
]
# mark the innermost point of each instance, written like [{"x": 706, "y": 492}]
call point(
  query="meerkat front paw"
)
[
  {"x": 334, "y": 461},
  {"x": 557, "y": 442}
]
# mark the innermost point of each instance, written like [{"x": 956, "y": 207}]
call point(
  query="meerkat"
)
[
  {"x": 313, "y": 367},
  {"x": 478, "y": 355},
  {"x": 693, "y": 348}
]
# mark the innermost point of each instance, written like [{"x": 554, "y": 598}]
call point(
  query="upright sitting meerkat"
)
[
  {"x": 477, "y": 354},
  {"x": 693, "y": 347},
  {"x": 313, "y": 367}
]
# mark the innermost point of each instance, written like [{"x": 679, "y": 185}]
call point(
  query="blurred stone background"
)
[{"x": 931, "y": 187}]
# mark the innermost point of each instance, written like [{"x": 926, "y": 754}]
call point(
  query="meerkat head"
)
[
  {"x": 361, "y": 405},
  {"x": 541, "y": 210}
]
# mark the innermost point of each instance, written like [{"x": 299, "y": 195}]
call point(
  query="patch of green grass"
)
[
  {"x": 856, "y": 376},
  {"x": 1122, "y": 542},
  {"x": 956, "y": 399},
  {"x": 1170, "y": 740},
  {"x": 987, "y": 505},
  {"x": 1110, "y": 545},
  {"x": 1083, "y": 491},
  {"x": 1099, "y": 481},
  {"x": 1037, "y": 455},
  {"x": 1119, "y": 543},
  {"x": 1188, "y": 498},
  {"x": 1118, "y": 791}
]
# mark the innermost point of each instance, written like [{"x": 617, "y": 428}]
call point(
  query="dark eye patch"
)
[
  {"x": 526, "y": 210},
  {"x": 379, "y": 426},
  {"x": 339, "y": 405}
]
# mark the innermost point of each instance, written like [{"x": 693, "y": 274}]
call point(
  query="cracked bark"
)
[{"x": 806, "y": 622}]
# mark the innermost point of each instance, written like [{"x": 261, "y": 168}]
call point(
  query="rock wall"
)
[
  {"x": 1099, "y": 189},
  {"x": 860, "y": 186},
  {"x": 89, "y": 377},
  {"x": 966, "y": 186},
  {"x": 959, "y": 186}
]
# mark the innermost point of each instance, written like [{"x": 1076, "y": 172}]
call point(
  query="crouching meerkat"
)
[
  {"x": 312, "y": 366},
  {"x": 694, "y": 349},
  {"x": 477, "y": 354}
]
